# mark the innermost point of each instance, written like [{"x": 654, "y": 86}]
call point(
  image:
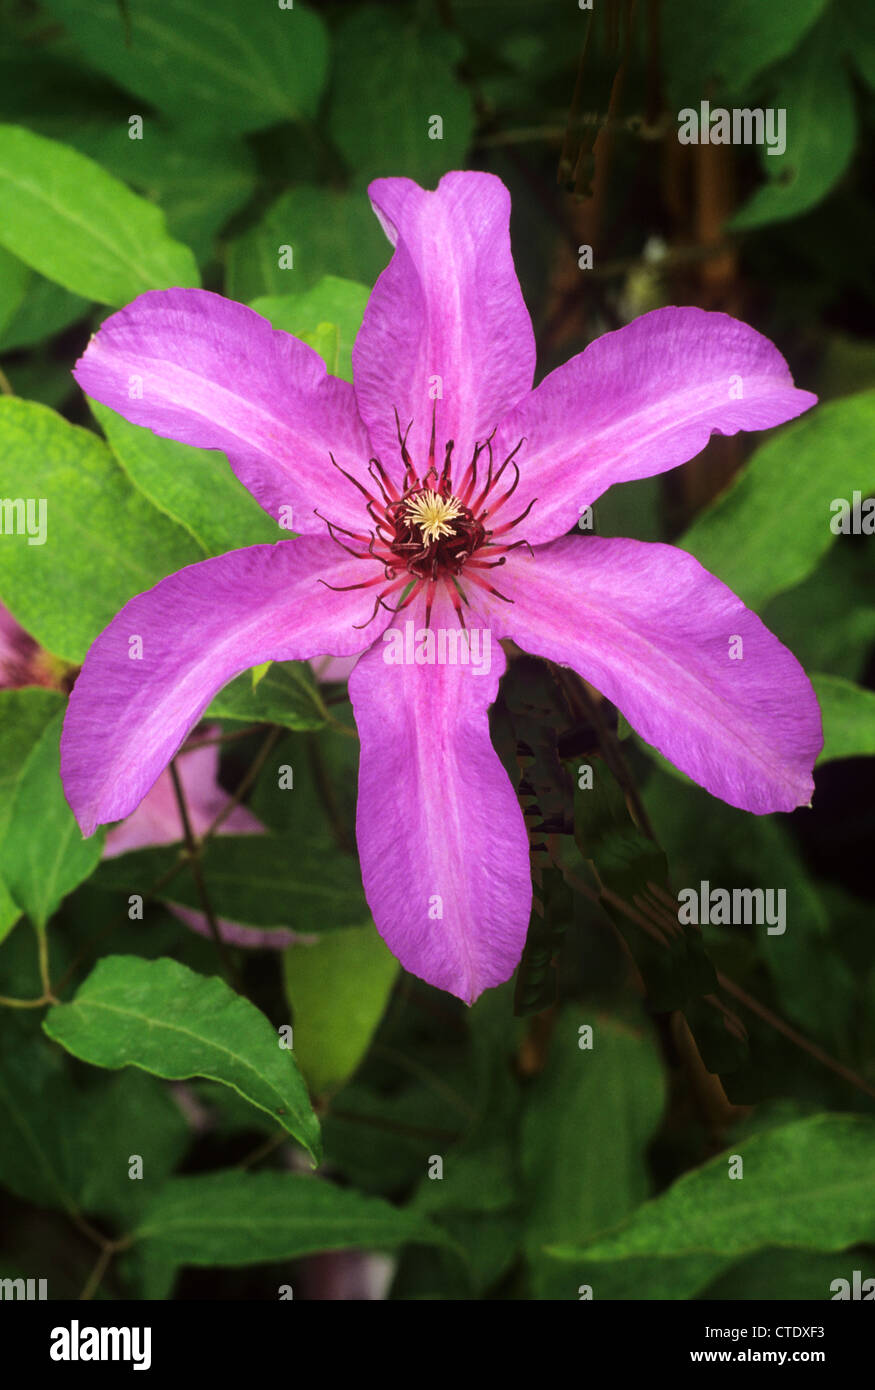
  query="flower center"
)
[
  {"x": 433, "y": 514},
  {"x": 429, "y": 532},
  {"x": 431, "y": 535}
]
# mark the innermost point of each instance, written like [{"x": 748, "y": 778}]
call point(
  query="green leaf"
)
[
  {"x": 858, "y": 22},
  {"x": 329, "y": 233},
  {"x": 324, "y": 339},
  {"x": 828, "y": 621},
  {"x": 332, "y": 301},
  {"x": 287, "y": 695},
  {"x": 165, "y": 1019},
  {"x": 231, "y": 67},
  {"x": 338, "y": 988},
  {"x": 586, "y": 1103},
  {"x": 44, "y": 854},
  {"x": 847, "y": 365},
  {"x": 129, "y": 1116},
  {"x": 728, "y": 42},
  {"x": 152, "y": 1279},
  {"x": 480, "y": 1177},
  {"x": 806, "y": 1185},
  {"x": 794, "y": 476},
  {"x": 785, "y": 1275},
  {"x": 39, "y": 75},
  {"x": 564, "y": 1272},
  {"x": 848, "y": 718},
  {"x": 9, "y": 910},
  {"x": 35, "y": 1101},
  {"x": 490, "y": 1244},
  {"x": 478, "y": 1200},
  {"x": 45, "y": 310},
  {"x": 41, "y": 377},
  {"x": 256, "y": 880},
  {"x": 630, "y": 510},
  {"x": 24, "y": 715},
  {"x": 194, "y": 487},
  {"x": 380, "y": 111},
  {"x": 397, "y": 1119},
  {"x": 239, "y": 1218},
  {"x": 818, "y": 151},
  {"x": 814, "y": 984},
  {"x": 105, "y": 543},
  {"x": 199, "y": 179},
  {"x": 14, "y": 279},
  {"x": 77, "y": 225},
  {"x": 66, "y": 1147}
]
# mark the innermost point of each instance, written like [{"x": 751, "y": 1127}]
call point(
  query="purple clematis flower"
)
[{"x": 442, "y": 486}]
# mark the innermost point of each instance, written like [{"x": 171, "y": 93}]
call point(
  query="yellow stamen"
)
[{"x": 432, "y": 514}]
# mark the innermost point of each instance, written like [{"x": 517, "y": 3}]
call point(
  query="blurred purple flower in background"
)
[
  {"x": 22, "y": 660},
  {"x": 157, "y": 821}
]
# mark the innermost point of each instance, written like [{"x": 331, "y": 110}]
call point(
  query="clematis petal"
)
[
  {"x": 201, "y": 369},
  {"x": 197, "y": 629},
  {"x": 446, "y": 326},
  {"x": 637, "y": 402},
  {"x": 694, "y": 672},
  {"x": 442, "y": 841}
]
